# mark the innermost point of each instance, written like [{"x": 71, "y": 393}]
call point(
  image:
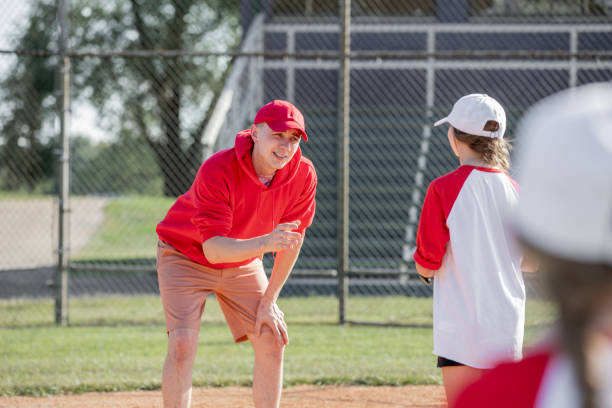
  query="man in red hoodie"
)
[{"x": 256, "y": 197}]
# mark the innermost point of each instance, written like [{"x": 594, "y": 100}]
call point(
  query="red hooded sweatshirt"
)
[{"x": 227, "y": 199}]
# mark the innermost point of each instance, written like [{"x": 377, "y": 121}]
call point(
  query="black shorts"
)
[{"x": 445, "y": 362}]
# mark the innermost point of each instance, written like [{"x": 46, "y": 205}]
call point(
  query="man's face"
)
[{"x": 272, "y": 150}]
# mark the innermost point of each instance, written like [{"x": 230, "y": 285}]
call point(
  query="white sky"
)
[{"x": 15, "y": 12}]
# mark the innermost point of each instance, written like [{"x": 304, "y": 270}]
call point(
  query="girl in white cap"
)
[
  {"x": 564, "y": 164},
  {"x": 462, "y": 241}
]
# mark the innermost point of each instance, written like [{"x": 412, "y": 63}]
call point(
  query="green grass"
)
[
  {"x": 109, "y": 347},
  {"x": 119, "y": 343},
  {"x": 147, "y": 310},
  {"x": 129, "y": 229},
  {"x": 79, "y": 359}
]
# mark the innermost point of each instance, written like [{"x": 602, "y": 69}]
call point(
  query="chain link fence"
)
[{"x": 156, "y": 87}]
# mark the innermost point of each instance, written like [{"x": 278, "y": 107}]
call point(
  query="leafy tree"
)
[
  {"x": 165, "y": 101},
  {"x": 27, "y": 94},
  {"x": 120, "y": 167}
]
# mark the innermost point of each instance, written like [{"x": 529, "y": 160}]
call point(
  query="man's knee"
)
[
  {"x": 267, "y": 345},
  {"x": 182, "y": 345}
]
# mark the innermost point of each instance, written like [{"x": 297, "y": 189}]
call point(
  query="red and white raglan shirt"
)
[
  {"x": 479, "y": 292},
  {"x": 227, "y": 199}
]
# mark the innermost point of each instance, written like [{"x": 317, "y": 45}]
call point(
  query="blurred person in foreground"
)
[
  {"x": 256, "y": 197},
  {"x": 564, "y": 217}
]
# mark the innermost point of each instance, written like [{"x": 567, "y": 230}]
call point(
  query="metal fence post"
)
[
  {"x": 343, "y": 155},
  {"x": 61, "y": 279}
]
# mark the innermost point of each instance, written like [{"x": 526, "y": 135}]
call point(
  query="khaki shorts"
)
[{"x": 184, "y": 285}]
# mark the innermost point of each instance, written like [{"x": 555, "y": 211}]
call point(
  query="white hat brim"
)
[{"x": 441, "y": 121}]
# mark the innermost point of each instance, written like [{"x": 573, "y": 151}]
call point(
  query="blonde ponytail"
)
[{"x": 494, "y": 151}]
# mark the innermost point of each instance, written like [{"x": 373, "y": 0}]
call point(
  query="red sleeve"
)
[
  {"x": 509, "y": 385},
  {"x": 433, "y": 233},
  {"x": 303, "y": 208},
  {"x": 211, "y": 198}
]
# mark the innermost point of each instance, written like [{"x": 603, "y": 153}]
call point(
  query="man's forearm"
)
[
  {"x": 283, "y": 264},
  {"x": 226, "y": 250}
]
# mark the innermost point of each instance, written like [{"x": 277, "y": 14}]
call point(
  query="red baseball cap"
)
[{"x": 280, "y": 116}]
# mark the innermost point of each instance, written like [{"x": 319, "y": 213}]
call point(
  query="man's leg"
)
[
  {"x": 176, "y": 377},
  {"x": 268, "y": 369}
]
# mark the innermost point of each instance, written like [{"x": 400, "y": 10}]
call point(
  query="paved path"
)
[{"x": 28, "y": 229}]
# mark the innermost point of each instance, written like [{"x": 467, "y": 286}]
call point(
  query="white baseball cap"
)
[
  {"x": 564, "y": 167},
  {"x": 471, "y": 113}
]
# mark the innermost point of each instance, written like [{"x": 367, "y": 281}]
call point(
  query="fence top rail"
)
[
  {"x": 395, "y": 54},
  {"x": 446, "y": 64},
  {"x": 441, "y": 27},
  {"x": 433, "y": 19}
]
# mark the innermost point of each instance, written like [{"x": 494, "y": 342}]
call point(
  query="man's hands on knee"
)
[{"x": 270, "y": 315}]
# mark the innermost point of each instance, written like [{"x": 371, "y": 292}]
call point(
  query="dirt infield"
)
[{"x": 417, "y": 396}]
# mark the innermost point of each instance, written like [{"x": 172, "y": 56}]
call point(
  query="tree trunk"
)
[
  {"x": 176, "y": 165},
  {"x": 174, "y": 161}
]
